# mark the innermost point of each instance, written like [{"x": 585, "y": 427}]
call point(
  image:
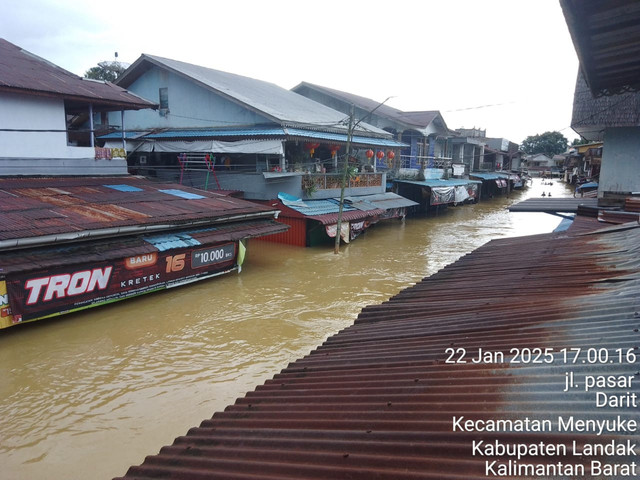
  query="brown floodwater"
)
[{"x": 89, "y": 394}]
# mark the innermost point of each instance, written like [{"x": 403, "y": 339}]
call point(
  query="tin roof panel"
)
[
  {"x": 377, "y": 400},
  {"x": 114, "y": 249},
  {"x": 66, "y": 205}
]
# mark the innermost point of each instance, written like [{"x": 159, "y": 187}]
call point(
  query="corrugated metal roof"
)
[
  {"x": 129, "y": 134},
  {"x": 421, "y": 119},
  {"x": 552, "y": 205},
  {"x": 319, "y": 207},
  {"x": 219, "y": 133},
  {"x": 50, "y": 257},
  {"x": 385, "y": 201},
  {"x": 71, "y": 207},
  {"x": 377, "y": 400},
  {"x": 326, "y": 211},
  {"x": 268, "y": 99},
  {"x": 338, "y": 137},
  {"x": 348, "y": 216},
  {"x": 606, "y": 35},
  {"x": 260, "y": 131},
  {"x": 24, "y": 72}
]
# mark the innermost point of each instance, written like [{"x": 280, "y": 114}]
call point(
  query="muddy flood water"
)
[{"x": 90, "y": 394}]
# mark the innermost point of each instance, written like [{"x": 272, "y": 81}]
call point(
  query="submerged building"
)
[{"x": 77, "y": 230}]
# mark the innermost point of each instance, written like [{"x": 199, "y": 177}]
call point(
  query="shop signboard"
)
[{"x": 44, "y": 293}]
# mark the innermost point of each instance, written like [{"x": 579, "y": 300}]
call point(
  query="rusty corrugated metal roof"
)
[
  {"x": 35, "y": 209},
  {"x": 117, "y": 248},
  {"x": 377, "y": 400},
  {"x": 24, "y": 72},
  {"x": 553, "y": 205}
]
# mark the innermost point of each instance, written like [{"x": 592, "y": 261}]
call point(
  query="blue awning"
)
[{"x": 342, "y": 137}]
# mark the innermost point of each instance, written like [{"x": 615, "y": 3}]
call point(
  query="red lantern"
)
[
  {"x": 391, "y": 154},
  {"x": 311, "y": 147},
  {"x": 334, "y": 149},
  {"x": 380, "y": 155},
  {"x": 369, "y": 153}
]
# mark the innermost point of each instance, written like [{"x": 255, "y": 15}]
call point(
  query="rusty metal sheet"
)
[
  {"x": 114, "y": 249},
  {"x": 34, "y": 207},
  {"x": 23, "y": 72},
  {"x": 378, "y": 399}
]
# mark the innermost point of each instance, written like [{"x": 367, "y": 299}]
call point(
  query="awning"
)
[
  {"x": 326, "y": 211},
  {"x": 282, "y": 133},
  {"x": 266, "y": 147},
  {"x": 342, "y": 137},
  {"x": 385, "y": 201}
]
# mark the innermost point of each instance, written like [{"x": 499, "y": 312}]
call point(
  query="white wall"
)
[{"x": 44, "y": 152}]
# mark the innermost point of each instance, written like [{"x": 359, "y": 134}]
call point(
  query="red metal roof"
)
[
  {"x": 377, "y": 400},
  {"x": 36, "y": 210},
  {"x": 24, "y": 72}
]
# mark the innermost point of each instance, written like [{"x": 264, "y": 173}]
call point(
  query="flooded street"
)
[{"x": 90, "y": 394}]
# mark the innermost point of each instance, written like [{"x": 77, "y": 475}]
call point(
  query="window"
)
[{"x": 163, "y": 94}]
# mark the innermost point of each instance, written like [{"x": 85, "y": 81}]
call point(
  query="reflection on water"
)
[{"x": 89, "y": 394}]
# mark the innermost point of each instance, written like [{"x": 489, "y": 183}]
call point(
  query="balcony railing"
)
[{"x": 330, "y": 181}]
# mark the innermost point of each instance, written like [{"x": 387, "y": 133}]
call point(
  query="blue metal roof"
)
[
  {"x": 133, "y": 134},
  {"x": 340, "y": 137},
  {"x": 124, "y": 188},
  {"x": 239, "y": 132},
  {"x": 320, "y": 207},
  {"x": 169, "y": 241},
  {"x": 440, "y": 182},
  {"x": 182, "y": 194}
]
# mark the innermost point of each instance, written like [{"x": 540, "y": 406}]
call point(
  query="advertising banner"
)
[
  {"x": 49, "y": 292},
  {"x": 6, "y": 318}
]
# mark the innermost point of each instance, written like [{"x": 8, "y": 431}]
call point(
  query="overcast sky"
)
[{"x": 507, "y": 66}]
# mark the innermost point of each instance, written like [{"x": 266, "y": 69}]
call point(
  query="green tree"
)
[
  {"x": 579, "y": 141},
  {"x": 549, "y": 143},
  {"x": 108, "y": 71}
]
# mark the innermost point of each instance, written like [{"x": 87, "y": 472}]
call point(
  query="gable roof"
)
[
  {"x": 420, "y": 119},
  {"x": 268, "y": 99},
  {"x": 25, "y": 73},
  {"x": 591, "y": 115}
]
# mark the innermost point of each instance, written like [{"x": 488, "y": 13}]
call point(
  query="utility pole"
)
[
  {"x": 350, "y": 130},
  {"x": 336, "y": 248}
]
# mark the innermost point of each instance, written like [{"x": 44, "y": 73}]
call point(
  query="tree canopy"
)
[
  {"x": 108, "y": 71},
  {"x": 549, "y": 143},
  {"x": 579, "y": 141}
]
